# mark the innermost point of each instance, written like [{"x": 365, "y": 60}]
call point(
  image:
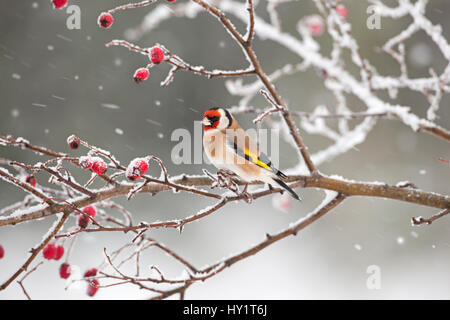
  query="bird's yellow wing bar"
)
[{"x": 257, "y": 160}]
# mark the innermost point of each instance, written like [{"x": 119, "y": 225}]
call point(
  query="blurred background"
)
[{"x": 55, "y": 82}]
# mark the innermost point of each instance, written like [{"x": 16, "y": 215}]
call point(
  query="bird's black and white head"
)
[{"x": 217, "y": 118}]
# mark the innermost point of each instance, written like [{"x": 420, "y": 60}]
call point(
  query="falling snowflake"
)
[
  {"x": 119, "y": 131},
  {"x": 15, "y": 113},
  {"x": 420, "y": 55}
]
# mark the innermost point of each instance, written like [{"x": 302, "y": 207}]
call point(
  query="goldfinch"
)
[{"x": 229, "y": 148}]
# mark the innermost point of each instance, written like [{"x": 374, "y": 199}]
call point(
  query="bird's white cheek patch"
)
[{"x": 206, "y": 122}]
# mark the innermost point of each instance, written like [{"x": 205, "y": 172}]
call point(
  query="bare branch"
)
[{"x": 420, "y": 220}]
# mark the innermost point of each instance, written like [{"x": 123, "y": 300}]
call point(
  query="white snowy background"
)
[{"x": 55, "y": 82}]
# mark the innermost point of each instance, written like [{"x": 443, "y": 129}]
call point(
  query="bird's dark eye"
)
[{"x": 214, "y": 119}]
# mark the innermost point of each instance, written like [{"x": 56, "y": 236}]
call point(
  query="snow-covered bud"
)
[
  {"x": 141, "y": 74},
  {"x": 136, "y": 169},
  {"x": 105, "y": 20}
]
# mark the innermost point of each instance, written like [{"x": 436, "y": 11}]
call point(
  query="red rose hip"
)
[
  {"x": 49, "y": 251},
  {"x": 59, "y": 4},
  {"x": 2, "y": 252},
  {"x": 73, "y": 142},
  {"x": 342, "y": 11},
  {"x": 136, "y": 169},
  {"x": 90, "y": 210},
  {"x": 99, "y": 166},
  {"x": 92, "y": 287},
  {"x": 65, "y": 270},
  {"x": 83, "y": 220},
  {"x": 105, "y": 20},
  {"x": 141, "y": 74},
  {"x": 59, "y": 252},
  {"x": 90, "y": 273},
  {"x": 156, "y": 55},
  {"x": 315, "y": 24},
  {"x": 31, "y": 180},
  {"x": 86, "y": 162}
]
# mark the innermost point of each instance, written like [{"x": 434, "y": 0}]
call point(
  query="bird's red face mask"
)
[{"x": 211, "y": 119}]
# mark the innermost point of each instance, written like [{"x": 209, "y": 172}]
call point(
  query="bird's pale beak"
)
[{"x": 206, "y": 122}]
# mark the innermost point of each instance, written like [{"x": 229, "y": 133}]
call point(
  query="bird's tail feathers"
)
[
  {"x": 281, "y": 174},
  {"x": 286, "y": 187}
]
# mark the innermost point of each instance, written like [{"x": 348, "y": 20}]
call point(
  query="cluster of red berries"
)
[
  {"x": 136, "y": 169},
  {"x": 105, "y": 19},
  {"x": 65, "y": 271},
  {"x": 87, "y": 162},
  {"x": 53, "y": 252},
  {"x": 156, "y": 56},
  {"x": 59, "y": 4},
  {"x": 95, "y": 163},
  {"x": 92, "y": 283},
  {"x": 83, "y": 219}
]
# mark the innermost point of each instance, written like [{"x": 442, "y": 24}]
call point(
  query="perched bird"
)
[{"x": 229, "y": 148}]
